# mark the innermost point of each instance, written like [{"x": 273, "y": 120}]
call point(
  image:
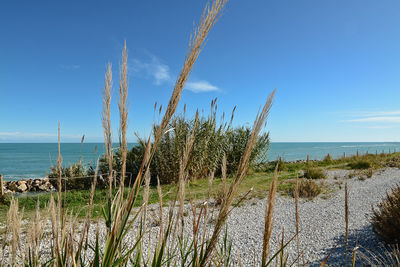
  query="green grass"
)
[{"x": 76, "y": 200}]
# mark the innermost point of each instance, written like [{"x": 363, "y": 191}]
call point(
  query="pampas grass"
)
[{"x": 106, "y": 123}]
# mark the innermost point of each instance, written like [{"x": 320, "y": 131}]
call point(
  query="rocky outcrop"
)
[{"x": 29, "y": 185}]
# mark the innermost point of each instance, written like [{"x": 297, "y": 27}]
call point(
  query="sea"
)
[{"x": 33, "y": 160}]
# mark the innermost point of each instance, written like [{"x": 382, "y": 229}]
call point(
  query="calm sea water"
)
[{"x": 26, "y": 160}]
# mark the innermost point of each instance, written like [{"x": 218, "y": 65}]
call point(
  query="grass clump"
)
[
  {"x": 360, "y": 164},
  {"x": 308, "y": 188},
  {"x": 305, "y": 188},
  {"x": 386, "y": 217},
  {"x": 314, "y": 173}
]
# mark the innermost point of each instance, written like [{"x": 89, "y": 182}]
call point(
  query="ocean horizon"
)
[{"x": 33, "y": 160}]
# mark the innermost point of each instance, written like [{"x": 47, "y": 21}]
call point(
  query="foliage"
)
[
  {"x": 75, "y": 176},
  {"x": 211, "y": 142},
  {"x": 314, "y": 173},
  {"x": 309, "y": 188},
  {"x": 386, "y": 217},
  {"x": 361, "y": 164}
]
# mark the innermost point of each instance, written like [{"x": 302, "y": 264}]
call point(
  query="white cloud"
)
[
  {"x": 377, "y": 119},
  {"x": 201, "y": 86},
  {"x": 160, "y": 74},
  {"x": 155, "y": 69}
]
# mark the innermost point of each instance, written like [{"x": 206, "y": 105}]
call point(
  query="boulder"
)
[{"x": 22, "y": 187}]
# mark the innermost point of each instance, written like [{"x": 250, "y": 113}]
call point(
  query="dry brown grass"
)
[
  {"x": 242, "y": 169},
  {"x": 106, "y": 122},
  {"x": 123, "y": 111},
  {"x": 268, "y": 224}
]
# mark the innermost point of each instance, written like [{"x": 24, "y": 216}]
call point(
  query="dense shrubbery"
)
[
  {"x": 314, "y": 173},
  {"x": 360, "y": 164},
  {"x": 78, "y": 176},
  {"x": 211, "y": 142},
  {"x": 386, "y": 218}
]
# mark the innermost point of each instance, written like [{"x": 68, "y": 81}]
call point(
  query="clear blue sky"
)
[{"x": 335, "y": 64}]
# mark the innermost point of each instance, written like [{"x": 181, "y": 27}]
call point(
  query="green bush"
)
[
  {"x": 386, "y": 218},
  {"x": 211, "y": 142},
  {"x": 360, "y": 165},
  {"x": 75, "y": 176},
  {"x": 314, "y": 173}
]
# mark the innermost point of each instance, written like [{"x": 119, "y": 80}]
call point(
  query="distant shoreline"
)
[{"x": 33, "y": 160}]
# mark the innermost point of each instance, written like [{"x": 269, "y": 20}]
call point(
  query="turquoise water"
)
[{"x": 31, "y": 160}]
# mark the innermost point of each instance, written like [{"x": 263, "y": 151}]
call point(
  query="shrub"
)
[
  {"x": 75, "y": 176},
  {"x": 314, "y": 173},
  {"x": 211, "y": 142},
  {"x": 386, "y": 218},
  {"x": 360, "y": 165},
  {"x": 309, "y": 188}
]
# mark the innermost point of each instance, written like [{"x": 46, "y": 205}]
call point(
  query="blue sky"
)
[{"x": 335, "y": 65}]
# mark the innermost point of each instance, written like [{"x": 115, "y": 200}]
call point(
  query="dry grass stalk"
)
[
  {"x": 58, "y": 218},
  {"x": 35, "y": 234},
  {"x": 14, "y": 219},
  {"x": 346, "y": 217},
  {"x": 296, "y": 198},
  {"x": 160, "y": 203},
  {"x": 269, "y": 211},
  {"x": 182, "y": 170},
  {"x": 240, "y": 174},
  {"x": 208, "y": 19},
  {"x": 223, "y": 177},
  {"x": 106, "y": 122},
  {"x": 123, "y": 111}
]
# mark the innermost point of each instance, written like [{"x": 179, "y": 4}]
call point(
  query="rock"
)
[
  {"x": 12, "y": 186},
  {"x": 22, "y": 187}
]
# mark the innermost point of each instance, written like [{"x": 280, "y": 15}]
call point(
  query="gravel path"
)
[{"x": 322, "y": 223}]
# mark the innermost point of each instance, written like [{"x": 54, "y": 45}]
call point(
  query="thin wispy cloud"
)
[
  {"x": 154, "y": 69},
  {"x": 395, "y": 119},
  {"x": 201, "y": 86},
  {"x": 160, "y": 74}
]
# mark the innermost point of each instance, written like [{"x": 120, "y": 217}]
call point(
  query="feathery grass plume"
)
[
  {"x": 34, "y": 238},
  {"x": 160, "y": 203},
  {"x": 296, "y": 198},
  {"x": 223, "y": 177},
  {"x": 209, "y": 17},
  {"x": 120, "y": 223},
  {"x": 182, "y": 170},
  {"x": 123, "y": 110},
  {"x": 106, "y": 122},
  {"x": 58, "y": 219},
  {"x": 240, "y": 174},
  {"x": 269, "y": 211},
  {"x": 13, "y": 227},
  {"x": 86, "y": 227}
]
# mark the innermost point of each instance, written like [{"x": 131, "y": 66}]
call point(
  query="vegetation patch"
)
[
  {"x": 386, "y": 217},
  {"x": 360, "y": 164},
  {"x": 314, "y": 173}
]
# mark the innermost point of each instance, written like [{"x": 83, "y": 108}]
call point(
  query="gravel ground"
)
[{"x": 322, "y": 224}]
